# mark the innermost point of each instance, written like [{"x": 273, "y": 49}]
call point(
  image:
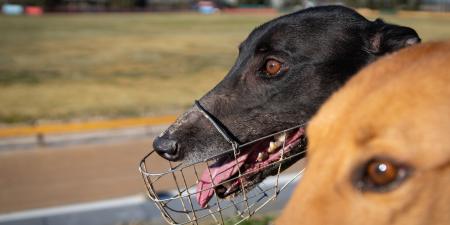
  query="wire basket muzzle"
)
[{"x": 173, "y": 187}]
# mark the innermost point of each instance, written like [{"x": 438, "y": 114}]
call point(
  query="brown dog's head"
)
[{"x": 379, "y": 148}]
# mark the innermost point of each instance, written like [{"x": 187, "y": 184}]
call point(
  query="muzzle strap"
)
[{"x": 229, "y": 137}]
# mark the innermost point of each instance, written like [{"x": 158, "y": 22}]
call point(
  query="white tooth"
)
[
  {"x": 261, "y": 156},
  {"x": 226, "y": 185},
  {"x": 272, "y": 147},
  {"x": 280, "y": 137}
]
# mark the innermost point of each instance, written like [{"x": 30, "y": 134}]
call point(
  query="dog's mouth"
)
[{"x": 230, "y": 174}]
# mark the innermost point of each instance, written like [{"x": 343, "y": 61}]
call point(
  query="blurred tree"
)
[
  {"x": 385, "y": 4},
  {"x": 253, "y": 2},
  {"x": 52, "y": 5}
]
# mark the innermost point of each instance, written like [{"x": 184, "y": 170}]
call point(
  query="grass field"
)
[{"x": 66, "y": 67}]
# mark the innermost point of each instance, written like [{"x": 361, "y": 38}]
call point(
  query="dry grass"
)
[
  {"x": 109, "y": 65},
  {"x": 58, "y": 67}
]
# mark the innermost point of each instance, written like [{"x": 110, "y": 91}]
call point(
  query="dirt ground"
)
[{"x": 48, "y": 177}]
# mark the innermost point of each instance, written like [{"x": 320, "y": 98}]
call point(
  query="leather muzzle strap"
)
[{"x": 229, "y": 137}]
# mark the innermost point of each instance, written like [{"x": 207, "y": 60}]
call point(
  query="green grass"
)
[{"x": 65, "y": 67}]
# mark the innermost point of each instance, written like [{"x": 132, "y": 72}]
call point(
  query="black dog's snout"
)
[{"x": 166, "y": 148}]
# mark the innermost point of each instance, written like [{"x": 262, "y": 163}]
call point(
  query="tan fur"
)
[{"x": 398, "y": 107}]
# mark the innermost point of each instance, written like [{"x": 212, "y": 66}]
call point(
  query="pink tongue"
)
[
  {"x": 218, "y": 174},
  {"x": 221, "y": 173}
]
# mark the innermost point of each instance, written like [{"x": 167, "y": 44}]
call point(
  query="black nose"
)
[{"x": 166, "y": 148}]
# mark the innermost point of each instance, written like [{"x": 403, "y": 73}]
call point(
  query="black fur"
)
[{"x": 321, "y": 48}]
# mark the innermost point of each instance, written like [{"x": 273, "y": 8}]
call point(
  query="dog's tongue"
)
[
  {"x": 219, "y": 173},
  {"x": 222, "y": 171}
]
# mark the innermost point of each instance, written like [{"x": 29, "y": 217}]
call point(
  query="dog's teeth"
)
[
  {"x": 226, "y": 185},
  {"x": 272, "y": 147},
  {"x": 280, "y": 137},
  {"x": 262, "y": 156}
]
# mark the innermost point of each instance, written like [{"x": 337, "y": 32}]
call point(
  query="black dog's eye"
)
[
  {"x": 380, "y": 175},
  {"x": 272, "y": 67}
]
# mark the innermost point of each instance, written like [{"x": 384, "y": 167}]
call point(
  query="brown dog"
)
[{"x": 380, "y": 147}]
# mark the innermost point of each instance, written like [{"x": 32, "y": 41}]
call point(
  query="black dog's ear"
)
[{"x": 385, "y": 38}]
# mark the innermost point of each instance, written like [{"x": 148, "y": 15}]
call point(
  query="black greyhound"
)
[{"x": 285, "y": 70}]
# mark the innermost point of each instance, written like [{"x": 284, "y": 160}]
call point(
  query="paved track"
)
[{"x": 47, "y": 177}]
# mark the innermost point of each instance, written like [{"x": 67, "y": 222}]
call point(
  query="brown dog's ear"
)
[{"x": 385, "y": 38}]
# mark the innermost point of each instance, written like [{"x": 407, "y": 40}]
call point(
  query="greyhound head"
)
[{"x": 286, "y": 68}]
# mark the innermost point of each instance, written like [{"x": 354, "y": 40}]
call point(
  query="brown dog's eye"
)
[
  {"x": 381, "y": 172},
  {"x": 272, "y": 67},
  {"x": 380, "y": 175}
]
